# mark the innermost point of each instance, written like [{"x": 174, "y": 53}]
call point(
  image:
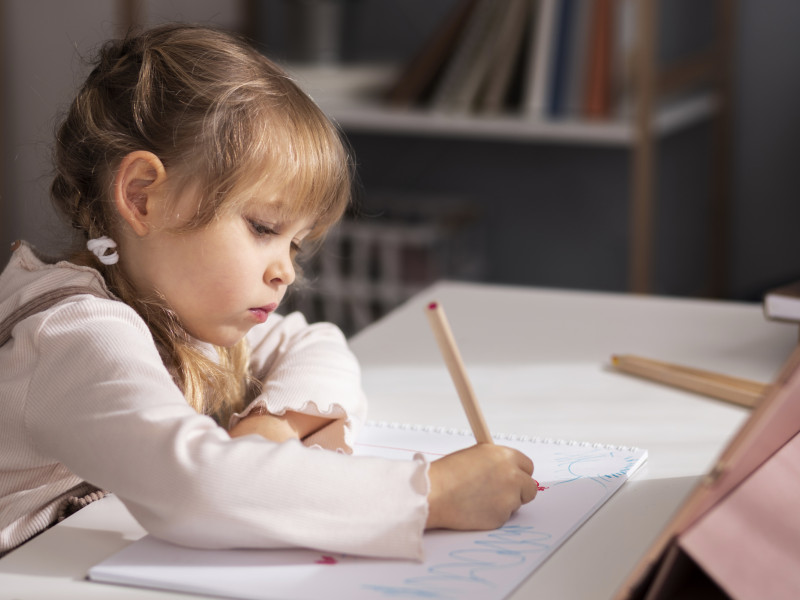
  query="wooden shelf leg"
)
[
  {"x": 721, "y": 182},
  {"x": 130, "y": 14},
  {"x": 642, "y": 201}
]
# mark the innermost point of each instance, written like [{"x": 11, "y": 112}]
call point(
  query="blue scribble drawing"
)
[
  {"x": 579, "y": 478},
  {"x": 507, "y": 548},
  {"x": 577, "y": 464}
]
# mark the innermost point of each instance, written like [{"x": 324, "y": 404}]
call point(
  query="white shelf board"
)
[{"x": 349, "y": 96}]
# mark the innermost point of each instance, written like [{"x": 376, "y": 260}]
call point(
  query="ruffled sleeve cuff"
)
[
  {"x": 338, "y": 435},
  {"x": 420, "y": 485}
]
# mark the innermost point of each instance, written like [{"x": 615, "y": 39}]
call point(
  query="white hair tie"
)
[{"x": 99, "y": 246}]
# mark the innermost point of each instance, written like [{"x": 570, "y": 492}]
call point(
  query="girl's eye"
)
[
  {"x": 260, "y": 229},
  {"x": 263, "y": 230}
]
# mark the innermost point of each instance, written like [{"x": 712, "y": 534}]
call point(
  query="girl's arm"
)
[
  {"x": 311, "y": 384},
  {"x": 102, "y": 406},
  {"x": 290, "y": 425}
]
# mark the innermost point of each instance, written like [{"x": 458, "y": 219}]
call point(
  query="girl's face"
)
[{"x": 226, "y": 277}]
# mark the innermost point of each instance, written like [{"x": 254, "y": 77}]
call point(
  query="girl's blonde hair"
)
[{"x": 222, "y": 118}]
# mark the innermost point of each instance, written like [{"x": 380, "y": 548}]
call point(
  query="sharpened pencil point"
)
[{"x": 433, "y": 305}]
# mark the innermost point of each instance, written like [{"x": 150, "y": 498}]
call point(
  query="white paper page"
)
[{"x": 575, "y": 480}]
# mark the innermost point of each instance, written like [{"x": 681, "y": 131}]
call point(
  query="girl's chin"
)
[{"x": 226, "y": 339}]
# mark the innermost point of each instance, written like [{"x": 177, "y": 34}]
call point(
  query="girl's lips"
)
[{"x": 262, "y": 312}]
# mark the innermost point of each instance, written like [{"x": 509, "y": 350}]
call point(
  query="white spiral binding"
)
[{"x": 508, "y": 437}]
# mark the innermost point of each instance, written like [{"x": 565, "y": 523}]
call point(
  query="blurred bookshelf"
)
[
  {"x": 628, "y": 97},
  {"x": 351, "y": 96}
]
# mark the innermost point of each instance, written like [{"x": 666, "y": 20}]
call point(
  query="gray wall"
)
[
  {"x": 766, "y": 180},
  {"x": 41, "y": 44},
  {"x": 567, "y": 228},
  {"x": 45, "y": 45}
]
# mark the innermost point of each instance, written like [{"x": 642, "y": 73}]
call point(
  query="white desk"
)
[{"x": 538, "y": 362}]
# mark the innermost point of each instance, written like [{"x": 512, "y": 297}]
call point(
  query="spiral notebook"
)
[{"x": 575, "y": 480}]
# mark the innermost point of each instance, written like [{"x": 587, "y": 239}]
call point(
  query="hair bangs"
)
[{"x": 289, "y": 155}]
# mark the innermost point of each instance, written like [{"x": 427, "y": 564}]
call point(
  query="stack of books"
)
[
  {"x": 545, "y": 59},
  {"x": 783, "y": 303}
]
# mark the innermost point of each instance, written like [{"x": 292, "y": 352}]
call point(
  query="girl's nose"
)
[{"x": 280, "y": 271}]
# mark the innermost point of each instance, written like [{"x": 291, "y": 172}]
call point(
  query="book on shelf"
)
[
  {"x": 469, "y": 58},
  {"x": 540, "y": 48},
  {"x": 783, "y": 303},
  {"x": 561, "y": 59},
  {"x": 597, "y": 98},
  {"x": 622, "y": 58},
  {"x": 542, "y": 59},
  {"x": 485, "y": 61},
  {"x": 578, "y": 57},
  {"x": 506, "y": 57},
  {"x": 416, "y": 80}
]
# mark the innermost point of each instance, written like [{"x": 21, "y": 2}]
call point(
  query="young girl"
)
[{"x": 150, "y": 363}]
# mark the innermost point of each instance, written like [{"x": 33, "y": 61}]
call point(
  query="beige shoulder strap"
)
[
  {"x": 84, "y": 493},
  {"x": 40, "y": 303}
]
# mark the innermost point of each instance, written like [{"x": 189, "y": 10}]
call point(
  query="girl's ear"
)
[{"x": 136, "y": 182}]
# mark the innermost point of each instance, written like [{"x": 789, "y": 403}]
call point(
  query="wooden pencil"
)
[
  {"x": 452, "y": 358},
  {"x": 742, "y": 392}
]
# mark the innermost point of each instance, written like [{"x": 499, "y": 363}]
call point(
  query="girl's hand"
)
[
  {"x": 290, "y": 425},
  {"x": 479, "y": 487}
]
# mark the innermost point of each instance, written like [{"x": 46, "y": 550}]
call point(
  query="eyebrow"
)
[{"x": 279, "y": 214}]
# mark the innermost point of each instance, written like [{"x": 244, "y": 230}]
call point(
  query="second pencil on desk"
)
[
  {"x": 452, "y": 358},
  {"x": 743, "y": 392}
]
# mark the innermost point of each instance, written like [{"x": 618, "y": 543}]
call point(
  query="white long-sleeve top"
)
[{"x": 85, "y": 397}]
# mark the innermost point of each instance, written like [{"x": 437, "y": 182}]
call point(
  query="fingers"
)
[
  {"x": 479, "y": 487},
  {"x": 529, "y": 490},
  {"x": 516, "y": 458},
  {"x": 529, "y": 486},
  {"x": 519, "y": 486},
  {"x": 524, "y": 463},
  {"x": 523, "y": 475}
]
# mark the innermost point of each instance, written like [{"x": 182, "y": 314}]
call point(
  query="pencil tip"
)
[{"x": 433, "y": 305}]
